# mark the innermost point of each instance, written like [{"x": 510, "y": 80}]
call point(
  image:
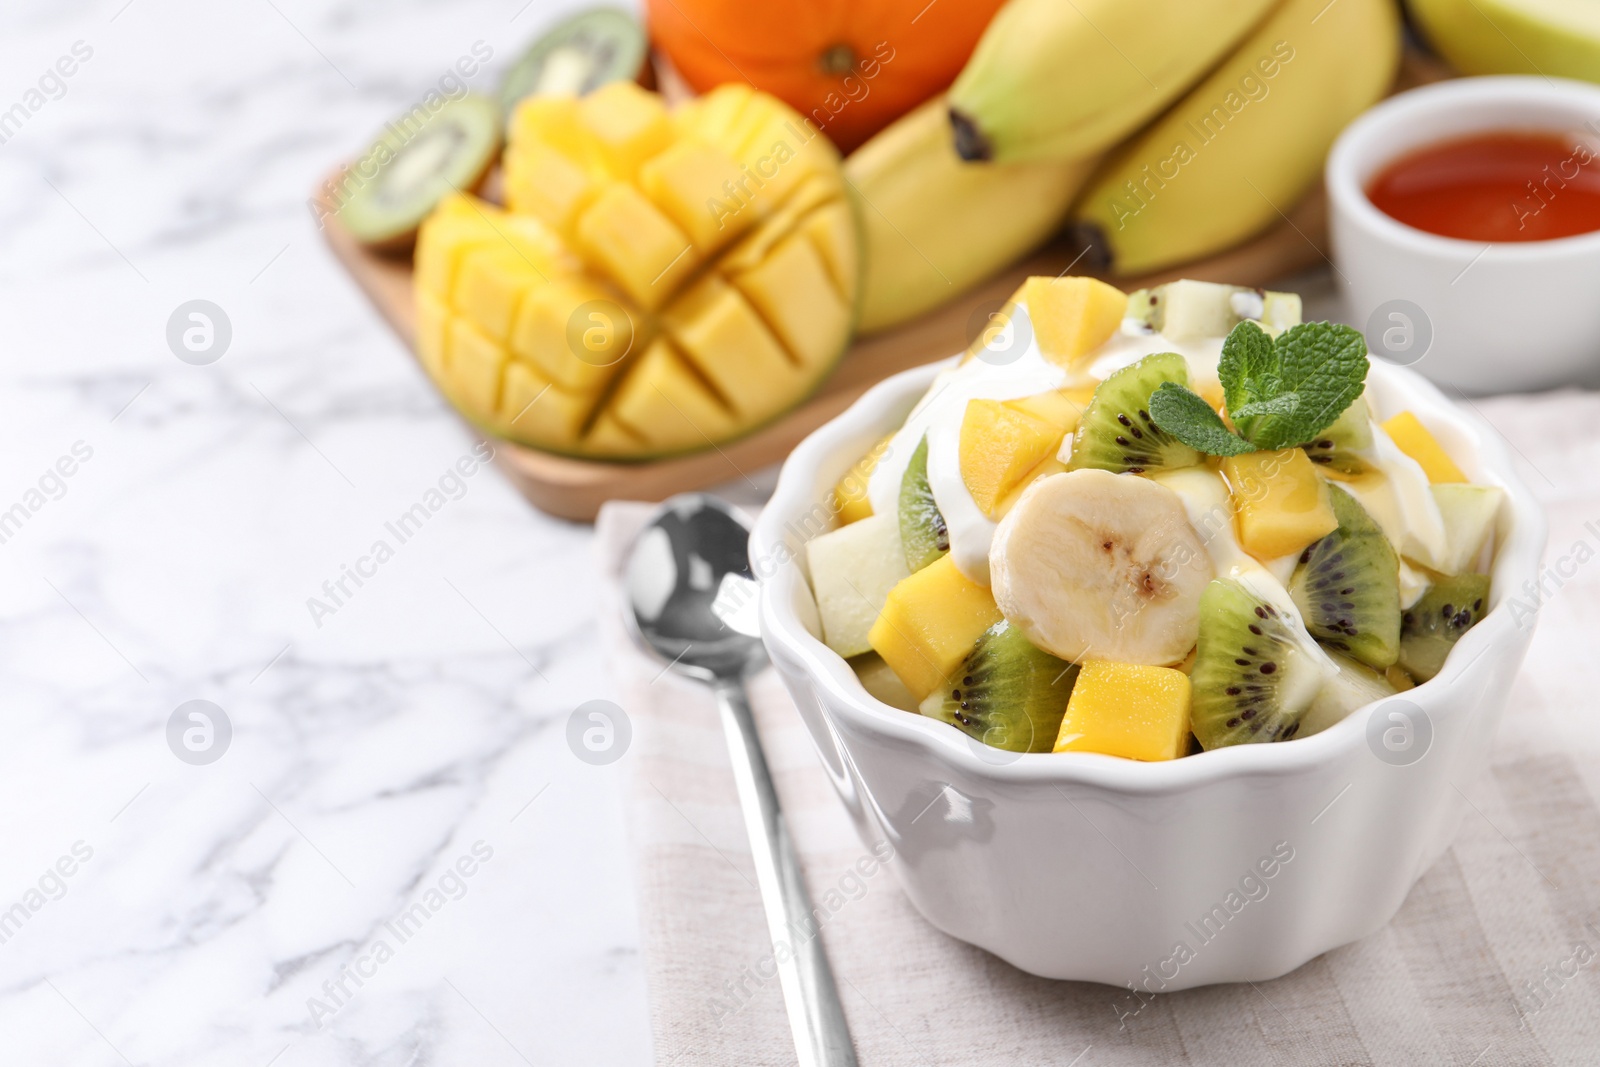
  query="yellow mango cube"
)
[
  {"x": 628, "y": 125},
  {"x": 490, "y": 286},
  {"x": 575, "y": 333},
  {"x": 999, "y": 445},
  {"x": 1413, "y": 438},
  {"x": 930, "y": 622},
  {"x": 833, "y": 231},
  {"x": 1072, "y": 316},
  {"x": 1059, "y": 407},
  {"x": 1128, "y": 710},
  {"x": 433, "y": 323},
  {"x": 727, "y": 341},
  {"x": 686, "y": 181},
  {"x": 608, "y": 437},
  {"x": 548, "y": 184},
  {"x": 476, "y": 363},
  {"x": 637, "y": 245},
  {"x": 1046, "y": 467},
  {"x": 792, "y": 291},
  {"x": 664, "y": 403},
  {"x": 850, "y": 503},
  {"x": 1280, "y": 505}
]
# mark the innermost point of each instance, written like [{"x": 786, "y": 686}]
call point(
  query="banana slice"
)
[{"x": 1095, "y": 565}]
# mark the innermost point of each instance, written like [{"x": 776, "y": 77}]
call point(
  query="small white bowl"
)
[
  {"x": 1503, "y": 317},
  {"x": 1089, "y": 867}
]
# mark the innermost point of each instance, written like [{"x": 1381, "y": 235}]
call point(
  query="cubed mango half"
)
[{"x": 651, "y": 270}]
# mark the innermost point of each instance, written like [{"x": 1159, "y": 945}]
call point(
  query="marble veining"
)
[{"x": 304, "y": 898}]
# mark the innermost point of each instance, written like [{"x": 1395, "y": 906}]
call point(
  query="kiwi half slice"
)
[
  {"x": 923, "y": 533},
  {"x": 1007, "y": 693},
  {"x": 1116, "y": 432},
  {"x": 421, "y": 158},
  {"x": 577, "y": 56},
  {"x": 1343, "y": 446},
  {"x": 1430, "y": 628},
  {"x": 1347, "y": 586},
  {"x": 1254, "y": 676}
]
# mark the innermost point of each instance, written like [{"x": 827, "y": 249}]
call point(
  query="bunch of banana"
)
[
  {"x": 1246, "y": 143},
  {"x": 1161, "y": 135}
]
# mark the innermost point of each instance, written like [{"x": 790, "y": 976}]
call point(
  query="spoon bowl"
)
[{"x": 689, "y": 588}]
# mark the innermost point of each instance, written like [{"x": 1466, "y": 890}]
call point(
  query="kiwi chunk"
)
[
  {"x": 1430, "y": 628},
  {"x": 421, "y": 158},
  {"x": 1116, "y": 432},
  {"x": 577, "y": 56},
  {"x": 1007, "y": 693},
  {"x": 1254, "y": 675},
  {"x": 1187, "y": 308},
  {"x": 1347, "y": 587},
  {"x": 1344, "y": 446},
  {"x": 923, "y": 533}
]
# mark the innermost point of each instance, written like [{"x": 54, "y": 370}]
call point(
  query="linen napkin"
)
[{"x": 1494, "y": 958}]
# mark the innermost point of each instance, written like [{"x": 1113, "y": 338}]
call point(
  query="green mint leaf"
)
[
  {"x": 1249, "y": 366},
  {"x": 1324, "y": 367},
  {"x": 1282, "y": 404},
  {"x": 1190, "y": 419}
]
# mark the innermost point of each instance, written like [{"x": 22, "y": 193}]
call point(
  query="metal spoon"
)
[{"x": 692, "y": 601}]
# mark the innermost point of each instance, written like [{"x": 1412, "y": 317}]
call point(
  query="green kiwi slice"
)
[
  {"x": 1254, "y": 675},
  {"x": 923, "y": 533},
  {"x": 1430, "y": 628},
  {"x": 1007, "y": 693},
  {"x": 1344, "y": 445},
  {"x": 1347, "y": 587},
  {"x": 421, "y": 157},
  {"x": 577, "y": 56},
  {"x": 1117, "y": 433}
]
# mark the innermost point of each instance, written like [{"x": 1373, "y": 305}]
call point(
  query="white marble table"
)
[
  {"x": 211, "y": 909},
  {"x": 232, "y": 913}
]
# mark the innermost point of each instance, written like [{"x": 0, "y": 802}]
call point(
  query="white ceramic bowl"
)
[
  {"x": 1090, "y": 867},
  {"x": 1504, "y": 317}
]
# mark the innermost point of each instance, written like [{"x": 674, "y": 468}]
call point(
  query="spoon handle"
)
[{"x": 821, "y": 1035}]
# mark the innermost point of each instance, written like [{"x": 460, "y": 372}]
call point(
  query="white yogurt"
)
[{"x": 939, "y": 414}]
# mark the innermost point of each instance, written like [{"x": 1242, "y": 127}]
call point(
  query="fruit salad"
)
[{"x": 1149, "y": 524}]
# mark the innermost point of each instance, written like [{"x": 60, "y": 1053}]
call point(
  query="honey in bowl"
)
[{"x": 1494, "y": 187}]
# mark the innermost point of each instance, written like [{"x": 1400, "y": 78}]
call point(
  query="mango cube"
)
[
  {"x": 1128, "y": 710},
  {"x": 664, "y": 403},
  {"x": 1072, "y": 316},
  {"x": 1413, "y": 438},
  {"x": 1280, "y": 504},
  {"x": 1059, "y": 407},
  {"x": 929, "y": 622},
  {"x": 626, "y": 124},
  {"x": 850, "y": 503},
  {"x": 999, "y": 445},
  {"x": 637, "y": 245}
]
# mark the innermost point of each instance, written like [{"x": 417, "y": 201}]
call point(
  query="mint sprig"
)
[
  {"x": 1279, "y": 393},
  {"x": 1190, "y": 419}
]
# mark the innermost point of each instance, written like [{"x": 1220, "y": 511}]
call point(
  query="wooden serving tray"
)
[{"x": 575, "y": 488}]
